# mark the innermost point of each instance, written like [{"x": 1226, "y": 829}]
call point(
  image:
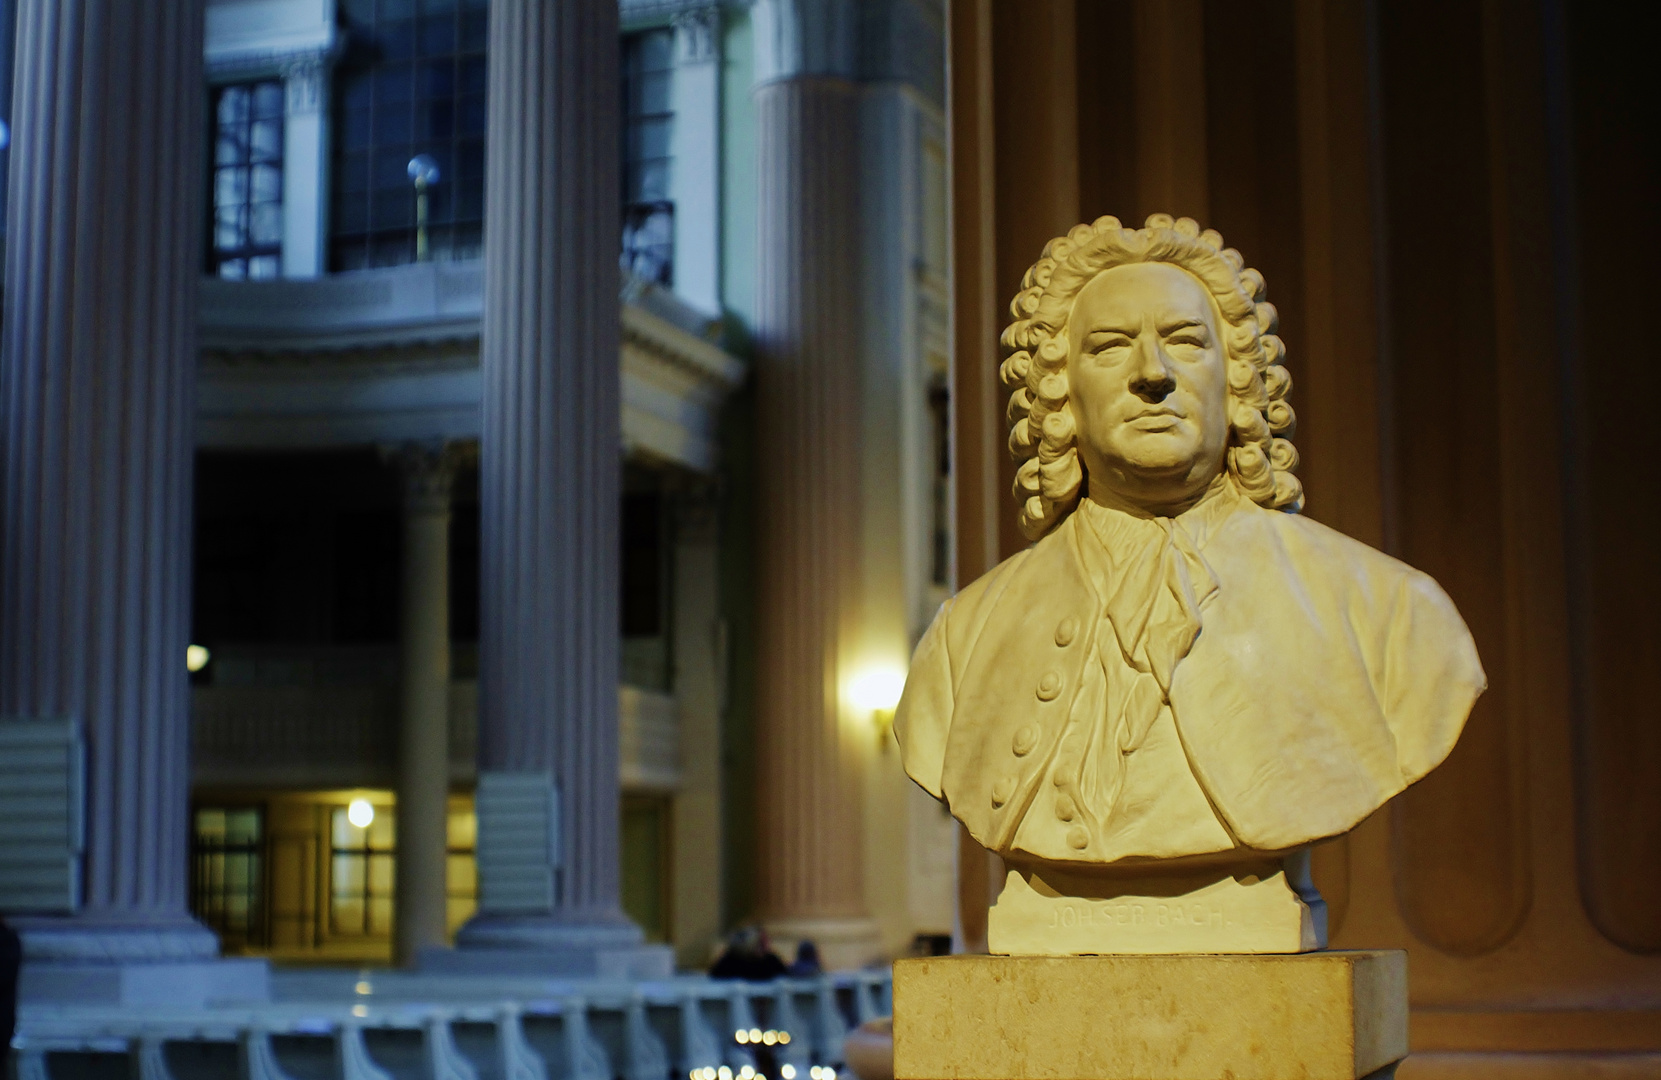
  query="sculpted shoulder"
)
[{"x": 1321, "y": 552}]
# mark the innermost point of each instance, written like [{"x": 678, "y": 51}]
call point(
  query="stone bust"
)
[{"x": 1181, "y": 672}]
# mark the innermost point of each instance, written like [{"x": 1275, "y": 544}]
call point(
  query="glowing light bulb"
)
[
  {"x": 363, "y": 986},
  {"x": 360, "y": 1010},
  {"x": 742, "y": 1036},
  {"x": 788, "y": 1071},
  {"x": 877, "y": 689},
  {"x": 709, "y": 1072},
  {"x": 360, "y": 813},
  {"x": 784, "y": 1038},
  {"x": 746, "y": 1072},
  {"x": 755, "y": 1035},
  {"x": 196, "y": 657},
  {"x": 768, "y": 1038},
  {"x": 724, "y": 1073}
]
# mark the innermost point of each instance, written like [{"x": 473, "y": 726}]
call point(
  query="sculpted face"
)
[{"x": 1147, "y": 386}]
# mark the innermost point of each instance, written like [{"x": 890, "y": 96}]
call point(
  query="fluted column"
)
[
  {"x": 549, "y": 483},
  {"x": 97, "y": 390},
  {"x": 424, "y": 715},
  {"x": 807, "y": 334}
]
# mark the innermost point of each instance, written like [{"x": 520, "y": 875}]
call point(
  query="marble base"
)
[
  {"x": 844, "y": 944},
  {"x": 1319, "y": 1016},
  {"x": 1262, "y": 908},
  {"x": 540, "y": 945}
]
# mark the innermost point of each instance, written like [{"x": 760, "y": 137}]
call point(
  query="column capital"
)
[
  {"x": 428, "y": 469},
  {"x": 795, "y": 38},
  {"x": 698, "y": 35},
  {"x": 305, "y": 82}
]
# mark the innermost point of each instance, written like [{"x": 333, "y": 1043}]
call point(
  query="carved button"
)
[
  {"x": 1064, "y": 808},
  {"x": 1002, "y": 789},
  {"x": 1024, "y": 741},
  {"x": 1066, "y": 630},
  {"x": 1077, "y": 838},
  {"x": 1049, "y": 686},
  {"x": 1062, "y": 770}
]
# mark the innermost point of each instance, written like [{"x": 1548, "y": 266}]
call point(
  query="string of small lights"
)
[{"x": 758, "y": 1037}]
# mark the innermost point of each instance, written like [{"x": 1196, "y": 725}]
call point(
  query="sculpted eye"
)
[
  {"x": 1096, "y": 346},
  {"x": 1198, "y": 341}
]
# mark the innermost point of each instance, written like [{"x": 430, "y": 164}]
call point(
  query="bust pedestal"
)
[{"x": 1319, "y": 1015}]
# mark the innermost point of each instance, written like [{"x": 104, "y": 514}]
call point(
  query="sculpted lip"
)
[{"x": 1155, "y": 419}]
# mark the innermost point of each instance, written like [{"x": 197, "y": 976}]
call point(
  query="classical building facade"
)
[{"x": 472, "y": 506}]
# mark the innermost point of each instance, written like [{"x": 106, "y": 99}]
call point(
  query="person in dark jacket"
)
[{"x": 748, "y": 957}]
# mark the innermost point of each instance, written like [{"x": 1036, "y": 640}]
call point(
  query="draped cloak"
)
[{"x": 1134, "y": 687}]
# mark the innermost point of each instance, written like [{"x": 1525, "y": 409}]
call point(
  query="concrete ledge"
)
[
  {"x": 1318, "y": 1016},
  {"x": 182, "y": 984}
]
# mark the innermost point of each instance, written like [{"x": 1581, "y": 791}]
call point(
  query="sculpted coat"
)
[{"x": 1320, "y": 684}]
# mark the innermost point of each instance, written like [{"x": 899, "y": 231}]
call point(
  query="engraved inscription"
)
[{"x": 1191, "y": 914}]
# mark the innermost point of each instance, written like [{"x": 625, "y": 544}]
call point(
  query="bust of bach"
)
[{"x": 1155, "y": 709}]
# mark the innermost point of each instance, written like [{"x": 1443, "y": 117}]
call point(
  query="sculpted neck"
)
[{"x": 1151, "y": 507}]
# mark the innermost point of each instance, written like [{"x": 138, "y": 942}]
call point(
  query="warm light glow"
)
[
  {"x": 724, "y": 1073},
  {"x": 742, "y": 1036},
  {"x": 709, "y": 1072},
  {"x": 784, "y": 1038},
  {"x": 360, "y": 1010},
  {"x": 815, "y": 1072},
  {"x": 755, "y": 1035},
  {"x": 360, "y": 813},
  {"x": 363, "y": 986},
  {"x": 768, "y": 1038},
  {"x": 788, "y": 1071},
  {"x": 746, "y": 1072},
  {"x": 877, "y": 689},
  {"x": 196, "y": 657}
]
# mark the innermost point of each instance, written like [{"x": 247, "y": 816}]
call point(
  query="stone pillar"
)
[
  {"x": 549, "y": 491},
  {"x": 97, "y": 396},
  {"x": 696, "y": 149},
  {"x": 807, "y": 335},
  {"x": 424, "y": 715},
  {"x": 306, "y": 165}
]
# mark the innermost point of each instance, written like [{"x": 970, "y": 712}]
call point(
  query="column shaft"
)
[
  {"x": 551, "y": 447},
  {"x": 424, "y": 730},
  {"x": 808, "y": 407},
  {"x": 97, "y": 392}
]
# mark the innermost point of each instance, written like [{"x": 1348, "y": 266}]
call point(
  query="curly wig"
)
[{"x": 1042, "y": 437}]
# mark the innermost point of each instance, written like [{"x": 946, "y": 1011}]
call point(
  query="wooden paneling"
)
[
  {"x": 1461, "y": 874},
  {"x": 1617, "y": 524},
  {"x": 1460, "y": 331}
]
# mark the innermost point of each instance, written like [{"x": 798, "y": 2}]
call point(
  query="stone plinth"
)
[{"x": 1322, "y": 1016}]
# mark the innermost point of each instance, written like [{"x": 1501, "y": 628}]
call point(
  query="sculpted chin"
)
[{"x": 1180, "y": 666}]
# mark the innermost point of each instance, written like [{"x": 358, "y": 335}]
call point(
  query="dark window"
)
[
  {"x": 648, "y": 215},
  {"x": 246, "y": 233},
  {"x": 226, "y": 886},
  {"x": 645, "y": 586},
  {"x": 412, "y": 82},
  {"x": 940, "y": 488}
]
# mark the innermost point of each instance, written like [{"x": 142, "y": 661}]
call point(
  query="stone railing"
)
[{"x": 397, "y": 1026}]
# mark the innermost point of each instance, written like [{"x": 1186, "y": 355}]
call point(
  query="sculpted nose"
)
[{"x": 1150, "y": 376}]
